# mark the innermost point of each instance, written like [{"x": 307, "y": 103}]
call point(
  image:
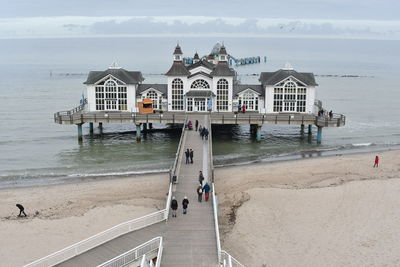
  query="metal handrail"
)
[
  {"x": 137, "y": 253},
  {"x": 179, "y": 150},
  {"x": 169, "y": 197},
  {"x": 100, "y": 238},
  {"x": 229, "y": 261},
  {"x": 216, "y": 225}
]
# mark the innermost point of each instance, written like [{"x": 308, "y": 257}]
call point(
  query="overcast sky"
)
[{"x": 83, "y": 18}]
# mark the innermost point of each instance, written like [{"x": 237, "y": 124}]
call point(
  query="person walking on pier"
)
[
  {"x": 200, "y": 192},
  {"x": 206, "y": 189},
  {"x": 185, "y": 203},
  {"x": 201, "y": 178},
  {"x": 174, "y": 206},
  {"x": 21, "y": 210},
  {"x": 196, "y": 125},
  {"x": 330, "y": 114},
  {"x": 187, "y": 155},
  {"x": 376, "y": 162},
  {"x": 202, "y": 132},
  {"x": 191, "y": 156},
  {"x": 206, "y": 133}
]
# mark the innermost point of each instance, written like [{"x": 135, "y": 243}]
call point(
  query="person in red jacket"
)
[{"x": 376, "y": 162}]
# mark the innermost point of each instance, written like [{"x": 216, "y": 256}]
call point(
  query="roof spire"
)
[{"x": 178, "y": 50}]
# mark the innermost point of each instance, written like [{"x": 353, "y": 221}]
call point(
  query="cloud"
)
[{"x": 60, "y": 27}]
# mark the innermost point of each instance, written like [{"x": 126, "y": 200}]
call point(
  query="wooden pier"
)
[{"x": 79, "y": 117}]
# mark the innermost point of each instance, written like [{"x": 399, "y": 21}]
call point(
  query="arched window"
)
[
  {"x": 249, "y": 100},
  {"x": 177, "y": 94},
  {"x": 111, "y": 95},
  {"x": 289, "y": 96},
  {"x": 200, "y": 84},
  {"x": 151, "y": 94},
  {"x": 222, "y": 95}
]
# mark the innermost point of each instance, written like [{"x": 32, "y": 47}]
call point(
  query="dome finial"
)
[
  {"x": 288, "y": 66},
  {"x": 114, "y": 66}
]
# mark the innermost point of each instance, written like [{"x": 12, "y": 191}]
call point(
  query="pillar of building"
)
[
  {"x": 80, "y": 133},
  {"x": 319, "y": 135},
  {"x": 91, "y": 127},
  {"x": 258, "y": 132},
  {"x": 138, "y": 133},
  {"x": 309, "y": 129}
]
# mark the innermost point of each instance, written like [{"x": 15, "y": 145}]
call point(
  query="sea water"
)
[{"x": 43, "y": 76}]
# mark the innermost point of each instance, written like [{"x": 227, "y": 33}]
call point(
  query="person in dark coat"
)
[
  {"x": 196, "y": 124},
  {"x": 187, "y": 155},
  {"x": 203, "y": 130},
  {"x": 174, "y": 206},
  {"x": 185, "y": 203},
  {"x": 201, "y": 178},
  {"x": 206, "y": 134},
  {"x": 206, "y": 189},
  {"x": 199, "y": 192},
  {"x": 330, "y": 114},
  {"x": 191, "y": 155},
  {"x": 21, "y": 210}
]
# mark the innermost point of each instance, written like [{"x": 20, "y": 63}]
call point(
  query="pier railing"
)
[
  {"x": 229, "y": 261},
  {"x": 100, "y": 238},
  {"x": 137, "y": 253},
  {"x": 179, "y": 153},
  {"x": 81, "y": 117}
]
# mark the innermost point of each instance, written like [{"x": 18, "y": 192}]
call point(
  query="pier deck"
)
[
  {"x": 81, "y": 117},
  {"x": 189, "y": 240}
]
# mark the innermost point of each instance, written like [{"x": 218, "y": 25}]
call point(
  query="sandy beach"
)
[
  {"x": 69, "y": 213},
  {"x": 330, "y": 211},
  {"x": 333, "y": 211}
]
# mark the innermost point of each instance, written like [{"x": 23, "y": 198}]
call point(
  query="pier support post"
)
[
  {"x": 150, "y": 125},
  {"x": 319, "y": 135},
  {"x": 80, "y": 134},
  {"x": 101, "y": 127},
  {"x": 258, "y": 133},
  {"x": 309, "y": 129},
  {"x": 145, "y": 127},
  {"x": 302, "y": 129},
  {"x": 91, "y": 127},
  {"x": 138, "y": 133}
]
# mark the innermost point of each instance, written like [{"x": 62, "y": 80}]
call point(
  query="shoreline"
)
[{"x": 295, "y": 156}]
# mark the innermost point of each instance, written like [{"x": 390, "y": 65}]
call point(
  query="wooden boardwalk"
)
[{"x": 190, "y": 239}]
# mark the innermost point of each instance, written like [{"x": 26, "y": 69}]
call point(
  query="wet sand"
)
[{"x": 332, "y": 211}]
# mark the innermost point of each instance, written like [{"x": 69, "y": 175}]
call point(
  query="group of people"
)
[
  {"x": 323, "y": 112},
  {"x": 203, "y": 189},
  {"x": 174, "y": 205},
  {"x": 203, "y": 131},
  {"x": 189, "y": 156}
]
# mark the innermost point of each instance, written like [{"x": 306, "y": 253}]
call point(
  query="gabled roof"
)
[
  {"x": 222, "y": 69},
  {"x": 202, "y": 63},
  {"x": 200, "y": 73},
  {"x": 272, "y": 78},
  {"x": 159, "y": 87},
  {"x": 238, "y": 88},
  {"x": 128, "y": 77},
  {"x": 178, "y": 69}
]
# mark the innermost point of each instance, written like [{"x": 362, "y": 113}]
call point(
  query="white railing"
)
[
  {"x": 137, "y": 253},
  {"x": 169, "y": 197},
  {"x": 179, "y": 153},
  {"x": 100, "y": 238},
  {"x": 216, "y": 226},
  {"x": 229, "y": 261}
]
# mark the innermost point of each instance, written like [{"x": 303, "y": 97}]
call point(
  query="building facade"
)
[{"x": 207, "y": 84}]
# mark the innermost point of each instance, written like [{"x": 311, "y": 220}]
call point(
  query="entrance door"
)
[
  {"x": 111, "y": 104},
  {"x": 199, "y": 104}
]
